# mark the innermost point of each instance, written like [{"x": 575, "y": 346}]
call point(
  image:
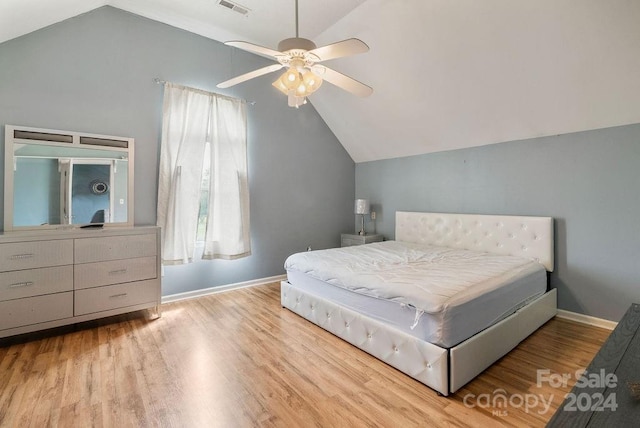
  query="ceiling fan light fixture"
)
[
  {"x": 298, "y": 85},
  {"x": 301, "y": 90},
  {"x": 291, "y": 78},
  {"x": 296, "y": 101},
  {"x": 311, "y": 81},
  {"x": 280, "y": 86}
]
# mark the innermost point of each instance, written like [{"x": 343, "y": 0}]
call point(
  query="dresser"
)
[{"x": 57, "y": 277}]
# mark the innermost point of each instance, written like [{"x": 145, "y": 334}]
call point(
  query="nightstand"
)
[{"x": 349, "y": 239}]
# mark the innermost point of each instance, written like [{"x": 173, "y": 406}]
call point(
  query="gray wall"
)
[
  {"x": 587, "y": 181},
  {"x": 94, "y": 73}
]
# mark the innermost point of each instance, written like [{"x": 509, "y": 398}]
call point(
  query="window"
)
[
  {"x": 191, "y": 118},
  {"x": 204, "y": 194}
]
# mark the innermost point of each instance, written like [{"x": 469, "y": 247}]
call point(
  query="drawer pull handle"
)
[
  {"x": 21, "y": 256},
  {"x": 117, "y": 272},
  {"x": 21, "y": 284},
  {"x": 115, "y": 296}
]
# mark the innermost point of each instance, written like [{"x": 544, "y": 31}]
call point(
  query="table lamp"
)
[{"x": 361, "y": 207}]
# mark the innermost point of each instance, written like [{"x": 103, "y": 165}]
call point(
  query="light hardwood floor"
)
[{"x": 237, "y": 359}]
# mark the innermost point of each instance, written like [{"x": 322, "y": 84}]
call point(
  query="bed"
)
[{"x": 450, "y": 296}]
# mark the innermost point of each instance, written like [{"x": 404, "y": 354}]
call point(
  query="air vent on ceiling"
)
[{"x": 234, "y": 7}]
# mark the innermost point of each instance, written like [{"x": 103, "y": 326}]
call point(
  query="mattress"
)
[{"x": 438, "y": 294}]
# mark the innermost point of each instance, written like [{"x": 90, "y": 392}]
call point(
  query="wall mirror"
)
[{"x": 59, "y": 179}]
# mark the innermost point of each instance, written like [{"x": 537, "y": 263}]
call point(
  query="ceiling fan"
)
[{"x": 304, "y": 75}]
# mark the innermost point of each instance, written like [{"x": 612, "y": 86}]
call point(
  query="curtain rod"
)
[{"x": 160, "y": 81}]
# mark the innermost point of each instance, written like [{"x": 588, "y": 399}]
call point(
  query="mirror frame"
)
[{"x": 95, "y": 141}]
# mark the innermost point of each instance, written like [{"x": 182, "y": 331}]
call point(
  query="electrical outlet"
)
[{"x": 373, "y": 215}]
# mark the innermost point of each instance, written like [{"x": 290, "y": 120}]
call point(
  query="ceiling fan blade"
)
[
  {"x": 343, "y": 81},
  {"x": 249, "y": 75},
  {"x": 257, "y": 49},
  {"x": 340, "y": 49}
]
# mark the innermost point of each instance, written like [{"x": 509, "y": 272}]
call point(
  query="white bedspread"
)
[{"x": 428, "y": 278}]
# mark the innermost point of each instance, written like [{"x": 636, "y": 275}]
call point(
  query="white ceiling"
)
[
  {"x": 446, "y": 74},
  {"x": 268, "y": 21}
]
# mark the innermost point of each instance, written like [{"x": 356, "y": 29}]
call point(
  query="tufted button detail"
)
[
  {"x": 524, "y": 248},
  {"x": 346, "y": 324},
  {"x": 395, "y": 349},
  {"x": 328, "y": 316},
  {"x": 369, "y": 336},
  {"x": 428, "y": 365}
]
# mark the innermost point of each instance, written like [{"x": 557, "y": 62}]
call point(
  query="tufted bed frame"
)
[{"x": 444, "y": 369}]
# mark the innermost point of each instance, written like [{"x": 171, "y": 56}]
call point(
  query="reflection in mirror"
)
[
  {"x": 76, "y": 182},
  {"x": 90, "y": 193}
]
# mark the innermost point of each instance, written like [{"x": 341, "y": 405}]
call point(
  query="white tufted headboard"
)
[{"x": 530, "y": 237}]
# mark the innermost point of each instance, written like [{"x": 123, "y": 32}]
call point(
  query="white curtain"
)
[{"x": 191, "y": 118}]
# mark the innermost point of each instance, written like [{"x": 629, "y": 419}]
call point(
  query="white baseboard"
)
[
  {"x": 586, "y": 319},
  {"x": 220, "y": 289}
]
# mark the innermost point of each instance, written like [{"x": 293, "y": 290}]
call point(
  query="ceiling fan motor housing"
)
[{"x": 296, "y": 43}]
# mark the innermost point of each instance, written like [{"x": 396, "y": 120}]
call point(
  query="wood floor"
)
[{"x": 238, "y": 359}]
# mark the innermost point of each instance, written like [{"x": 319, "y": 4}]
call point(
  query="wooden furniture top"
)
[{"x": 604, "y": 394}]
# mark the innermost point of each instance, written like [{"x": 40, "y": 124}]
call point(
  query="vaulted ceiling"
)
[{"x": 446, "y": 74}]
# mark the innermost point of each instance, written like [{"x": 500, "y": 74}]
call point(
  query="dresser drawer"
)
[
  {"x": 35, "y": 254},
  {"x": 89, "y": 275},
  {"x": 89, "y": 250},
  {"x": 35, "y": 310},
  {"x": 35, "y": 282},
  {"x": 91, "y": 300}
]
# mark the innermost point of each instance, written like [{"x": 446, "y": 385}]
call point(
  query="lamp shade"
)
[
  {"x": 311, "y": 81},
  {"x": 361, "y": 206},
  {"x": 291, "y": 78}
]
